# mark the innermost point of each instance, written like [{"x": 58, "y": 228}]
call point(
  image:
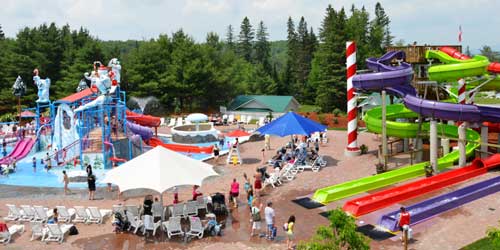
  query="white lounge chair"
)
[
  {"x": 261, "y": 121},
  {"x": 56, "y": 232},
  {"x": 135, "y": 222},
  {"x": 65, "y": 215},
  {"x": 81, "y": 214},
  {"x": 28, "y": 212},
  {"x": 133, "y": 209},
  {"x": 201, "y": 202},
  {"x": 38, "y": 230},
  {"x": 162, "y": 121},
  {"x": 14, "y": 213},
  {"x": 118, "y": 209},
  {"x": 243, "y": 119},
  {"x": 150, "y": 225},
  {"x": 289, "y": 171},
  {"x": 272, "y": 180},
  {"x": 249, "y": 119},
  {"x": 195, "y": 227},
  {"x": 178, "y": 210},
  {"x": 42, "y": 214},
  {"x": 98, "y": 215},
  {"x": 157, "y": 210},
  {"x": 174, "y": 227},
  {"x": 191, "y": 209},
  {"x": 6, "y": 236},
  {"x": 179, "y": 121},
  {"x": 171, "y": 122},
  {"x": 315, "y": 166},
  {"x": 230, "y": 119}
]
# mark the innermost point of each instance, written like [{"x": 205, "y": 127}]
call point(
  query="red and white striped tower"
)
[
  {"x": 352, "y": 117},
  {"x": 461, "y": 91}
]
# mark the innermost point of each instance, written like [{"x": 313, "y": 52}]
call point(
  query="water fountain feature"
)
[
  {"x": 199, "y": 131},
  {"x": 142, "y": 102}
]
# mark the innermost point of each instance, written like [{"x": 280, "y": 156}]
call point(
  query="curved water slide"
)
[
  {"x": 144, "y": 120},
  {"x": 396, "y": 80},
  {"x": 180, "y": 147},
  {"x": 20, "y": 150}
]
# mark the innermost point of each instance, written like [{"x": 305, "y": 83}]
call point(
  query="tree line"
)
[{"x": 189, "y": 75}]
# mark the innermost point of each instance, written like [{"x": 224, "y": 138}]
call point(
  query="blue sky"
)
[{"x": 431, "y": 22}]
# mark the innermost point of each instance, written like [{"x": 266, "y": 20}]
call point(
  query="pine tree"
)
[
  {"x": 328, "y": 68},
  {"x": 303, "y": 60},
  {"x": 2, "y": 35},
  {"x": 358, "y": 25},
  {"x": 212, "y": 40},
  {"x": 380, "y": 35},
  {"x": 288, "y": 78},
  {"x": 262, "y": 48},
  {"x": 230, "y": 37},
  {"x": 245, "y": 40}
]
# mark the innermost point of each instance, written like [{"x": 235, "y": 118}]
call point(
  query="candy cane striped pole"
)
[
  {"x": 461, "y": 91},
  {"x": 352, "y": 118}
]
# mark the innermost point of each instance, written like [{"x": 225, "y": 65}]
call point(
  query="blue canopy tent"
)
[{"x": 291, "y": 124}]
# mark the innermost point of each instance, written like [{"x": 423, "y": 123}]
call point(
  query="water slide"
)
[
  {"x": 180, "y": 147},
  {"x": 144, "y": 120},
  {"x": 431, "y": 207},
  {"x": 145, "y": 132},
  {"x": 375, "y": 201},
  {"x": 21, "y": 150},
  {"x": 396, "y": 80}
]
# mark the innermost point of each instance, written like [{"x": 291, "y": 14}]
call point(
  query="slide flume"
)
[
  {"x": 20, "y": 151},
  {"x": 372, "y": 202},
  {"x": 431, "y": 207},
  {"x": 154, "y": 142}
]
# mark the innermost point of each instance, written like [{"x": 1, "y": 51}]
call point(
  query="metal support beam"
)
[
  {"x": 384, "y": 128},
  {"x": 433, "y": 145},
  {"x": 484, "y": 141},
  {"x": 462, "y": 160}
]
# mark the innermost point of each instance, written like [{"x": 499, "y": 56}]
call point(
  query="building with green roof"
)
[{"x": 261, "y": 105}]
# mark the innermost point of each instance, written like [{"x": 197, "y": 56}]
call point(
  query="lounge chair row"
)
[
  {"x": 42, "y": 214},
  {"x": 173, "y": 227},
  {"x": 290, "y": 170}
]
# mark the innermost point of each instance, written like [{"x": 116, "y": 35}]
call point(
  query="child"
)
[
  {"x": 34, "y": 164},
  {"x": 250, "y": 198},
  {"x": 66, "y": 182}
]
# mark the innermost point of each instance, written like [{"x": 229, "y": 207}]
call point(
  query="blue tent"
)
[{"x": 291, "y": 124}]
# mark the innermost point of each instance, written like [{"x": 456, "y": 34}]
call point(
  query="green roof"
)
[{"x": 274, "y": 103}]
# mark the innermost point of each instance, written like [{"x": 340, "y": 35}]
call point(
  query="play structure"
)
[{"x": 417, "y": 118}]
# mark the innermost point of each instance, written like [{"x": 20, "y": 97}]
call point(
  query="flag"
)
[{"x": 460, "y": 33}]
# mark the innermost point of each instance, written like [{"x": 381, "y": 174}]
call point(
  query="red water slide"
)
[
  {"x": 378, "y": 200},
  {"x": 181, "y": 148},
  {"x": 144, "y": 120},
  {"x": 494, "y": 67}
]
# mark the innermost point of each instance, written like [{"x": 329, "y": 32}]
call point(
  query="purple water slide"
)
[
  {"x": 18, "y": 149},
  {"x": 143, "y": 131},
  {"x": 396, "y": 80},
  {"x": 439, "y": 204}
]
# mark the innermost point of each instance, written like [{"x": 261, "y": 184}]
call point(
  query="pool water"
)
[{"x": 26, "y": 176}]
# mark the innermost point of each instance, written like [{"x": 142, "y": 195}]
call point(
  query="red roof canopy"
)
[
  {"x": 237, "y": 133},
  {"x": 27, "y": 114},
  {"x": 78, "y": 96}
]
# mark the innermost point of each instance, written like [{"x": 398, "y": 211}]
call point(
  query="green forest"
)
[{"x": 189, "y": 75}]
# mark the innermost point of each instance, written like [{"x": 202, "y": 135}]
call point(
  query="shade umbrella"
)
[
  {"x": 27, "y": 114},
  {"x": 159, "y": 169},
  {"x": 237, "y": 133},
  {"x": 291, "y": 124}
]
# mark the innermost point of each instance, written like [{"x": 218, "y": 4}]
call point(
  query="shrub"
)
[
  {"x": 8, "y": 117},
  {"x": 364, "y": 149},
  {"x": 322, "y": 119},
  {"x": 337, "y": 112},
  {"x": 335, "y": 121},
  {"x": 341, "y": 234}
]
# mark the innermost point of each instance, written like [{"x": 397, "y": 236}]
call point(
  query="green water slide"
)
[
  {"x": 452, "y": 69},
  {"x": 401, "y": 130}
]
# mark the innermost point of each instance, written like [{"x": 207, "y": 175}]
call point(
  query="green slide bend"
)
[
  {"x": 453, "y": 69},
  {"x": 401, "y": 130}
]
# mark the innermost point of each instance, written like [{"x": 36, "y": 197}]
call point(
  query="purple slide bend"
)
[
  {"x": 396, "y": 80},
  {"x": 427, "y": 209}
]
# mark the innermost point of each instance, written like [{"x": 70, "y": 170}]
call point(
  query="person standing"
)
[
  {"x": 257, "y": 186},
  {"x": 90, "y": 182},
  {"x": 196, "y": 192},
  {"x": 270, "y": 215},
  {"x": 66, "y": 182},
  {"x": 235, "y": 191},
  {"x": 34, "y": 164},
  {"x": 316, "y": 145},
  {"x": 256, "y": 218},
  {"x": 250, "y": 198},
  {"x": 404, "y": 220},
  {"x": 148, "y": 205},
  {"x": 48, "y": 162},
  {"x": 247, "y": 186},
  {"x": 267, "y": 142},
  {"x": 216, "y": 152},
  {"x": 290, "y": 227}
]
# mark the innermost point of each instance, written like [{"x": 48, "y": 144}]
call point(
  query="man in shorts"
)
[
  {"x": 270, "y": 216},
  {"x": 404, "y": 220}
]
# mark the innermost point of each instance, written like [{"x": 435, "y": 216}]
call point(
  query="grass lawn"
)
[
  {"x": 309, "y": 108},
  {"x": 482, "y": 244}
]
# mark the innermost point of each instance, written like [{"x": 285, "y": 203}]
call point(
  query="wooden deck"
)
[{"x": 415, "y": 54}]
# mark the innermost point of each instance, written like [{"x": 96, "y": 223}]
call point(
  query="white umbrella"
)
[{"x": 159, "y": 169}]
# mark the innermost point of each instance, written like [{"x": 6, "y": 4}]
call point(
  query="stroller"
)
[
  {"x": 120, "y": 223},
  {"x": 219, "y": 204}
]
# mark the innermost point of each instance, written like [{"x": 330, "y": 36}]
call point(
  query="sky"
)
[{"x": 426, "y": 22}]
